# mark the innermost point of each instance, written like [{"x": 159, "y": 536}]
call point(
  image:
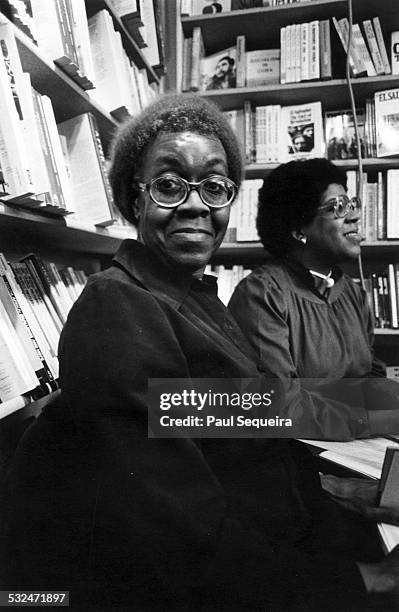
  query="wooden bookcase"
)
[
  {"x": 23, "y": 231},
  {"x": 261, "y": 27}
]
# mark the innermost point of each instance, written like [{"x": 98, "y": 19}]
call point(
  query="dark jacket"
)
[{"x": 96, "y": 507}]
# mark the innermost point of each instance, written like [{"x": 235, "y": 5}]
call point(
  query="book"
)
[
  {"x": 51, "y": 28},
  {"x": 44, "y": 317},
  {"x": 90, "y": 187},
  {"x": 373, "y": 46},
  {"x": 241, "y": 68},
  {"x": 218, "y": 70},
  {"x": 197, "y": 55},
  {"x": 325, "y": 49},
  {"x": 314, "y": 51},
  {"x": 341, "y": 27},
  {"x": 386, "y": 105},
  {"x": 47, "y": 358},
  {"x": 392, "y": 203},
  {"x": 262, "y": 67},
  {"x": 340, "y": 133},
  {"x": 395, "y": 51},
  {"x": 362, "y": 50},
  {"x": 381, "y": 44},
  {"x": 14, "y": 159},
  {"x": 301, "y": 132}
]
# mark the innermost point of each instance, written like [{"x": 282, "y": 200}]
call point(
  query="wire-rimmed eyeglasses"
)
[
  {"x": 342, "y": 205},
  {"x": 171, "y": 190}
]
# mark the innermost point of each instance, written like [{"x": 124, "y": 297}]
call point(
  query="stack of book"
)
[
  {"x": 35, "y": 298},
  {"x": 305, "y": 52}
]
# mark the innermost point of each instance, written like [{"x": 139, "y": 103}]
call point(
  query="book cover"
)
[
  {"x": 263, "y": 67},
  {"x": 218, "y": 71},
  {"x": 387, "y": 122},
  {"x": 381, "y": 44},
  {"x": 301, "y": 132},
  {"x": 395, "y": 51},
  {"x": 340, "y": 133},
  {"x": 241, "y": 68},
  {"x": 373, "y": 46},
  {"x": 90, "y": 193}
]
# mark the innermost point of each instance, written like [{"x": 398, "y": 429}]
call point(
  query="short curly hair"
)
[
  {"x": 171, "y": 113},
  {"x": 289, "y": 198}
]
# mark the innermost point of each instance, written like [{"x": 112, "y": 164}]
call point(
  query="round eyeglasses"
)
[
  {"x": 171, "y": 190},
  {"x": 342, "y": 205}
]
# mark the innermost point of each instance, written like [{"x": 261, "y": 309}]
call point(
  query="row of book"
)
[
  {"x": 383, "y": 295},
  {"x": 35, "y": 298},
  {"x": 49, "y": 167},
  {"x": 306, "y": 53},
  {"x": 380, "y": 203},
  {"x": 273, "y": 133},
  {"x": 91, "y": 52},
  {"x": 208, "y": 7}
]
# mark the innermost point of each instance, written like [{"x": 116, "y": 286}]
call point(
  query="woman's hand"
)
[{"x": 359, "y": 495}]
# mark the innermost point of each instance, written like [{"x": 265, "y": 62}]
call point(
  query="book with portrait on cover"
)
[{"x": 301, "y": 132}]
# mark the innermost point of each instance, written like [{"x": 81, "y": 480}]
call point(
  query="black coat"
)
[{"x": 94, "y": 506}]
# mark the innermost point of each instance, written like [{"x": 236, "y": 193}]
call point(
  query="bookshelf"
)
[
  {"x": 65, "y": 240},
  {"x": 261, "y": 28}
]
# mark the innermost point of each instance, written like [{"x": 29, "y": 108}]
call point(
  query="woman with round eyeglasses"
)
[
  {"x": 308, "y": 322},
  {"x": 127, "y": 521}
]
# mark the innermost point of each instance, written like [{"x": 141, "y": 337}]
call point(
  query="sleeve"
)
[
  {"x": 162, "y": 522},
  {"x": 331, "y": 411}
]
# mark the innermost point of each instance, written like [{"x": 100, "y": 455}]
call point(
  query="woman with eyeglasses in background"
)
[{"x": 308, "y": 322}]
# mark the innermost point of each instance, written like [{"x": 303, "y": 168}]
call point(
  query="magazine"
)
[{"x": 340, "y": 133}]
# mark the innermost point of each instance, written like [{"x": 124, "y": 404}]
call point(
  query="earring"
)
[{"x": 303, "y": 239}]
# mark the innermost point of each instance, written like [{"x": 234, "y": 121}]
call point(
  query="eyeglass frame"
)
[
  {"x": 333, "y": 203},
  {"x": 190, "y": 186}
]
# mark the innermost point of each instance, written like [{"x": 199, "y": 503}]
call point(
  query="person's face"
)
[
  {"x": 186, "y": 236},
  {"x": 308, "y": 132},
  {"x": 222, "y": 68},
  {"x": 331, "y": 241},
  {"x": 299, "y": 143}
]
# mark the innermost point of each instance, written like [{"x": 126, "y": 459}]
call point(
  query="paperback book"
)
[
  {"x": 218, "y": 71},
  {"x": 301, "y": 132},
  {"x": 387, "y": 122}
]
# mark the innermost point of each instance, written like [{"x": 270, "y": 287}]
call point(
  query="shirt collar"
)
[
  {"x": 152, "y": 272},
  {"x": 303, "y": 273}
]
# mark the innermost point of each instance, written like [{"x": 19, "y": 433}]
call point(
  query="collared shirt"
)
[{"x": 313, "y": 340}]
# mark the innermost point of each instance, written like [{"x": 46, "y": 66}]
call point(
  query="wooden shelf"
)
[
  {"x": 262, "y": 25},
  {"x": 332, "y": 94},
  {"x": 131, "y": 47},
  {"x": 20, "y": 227},
  {"x": 253, "y": 171},
  {"x": 386, "y": 332}
]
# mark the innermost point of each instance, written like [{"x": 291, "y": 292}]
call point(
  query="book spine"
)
[
  {"x": 283, "y": 52},
  {"x": 314, "y": 63},
  {"x": 102, "y": 165},
  {"x": 395, "y": 52},
  {"x": 381, "y": 44},
  {"x": 373, "y": 46},
  {"x": 240, "y": 61},
  {"x": 393, "y": 296},
  {"x": 362, "y": 51},
  {"x": 325, "y": 50},
  {"x": 197, "y": 54}
]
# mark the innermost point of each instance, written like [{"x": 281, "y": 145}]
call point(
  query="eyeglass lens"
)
[{"x": 172, "y": 190}]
